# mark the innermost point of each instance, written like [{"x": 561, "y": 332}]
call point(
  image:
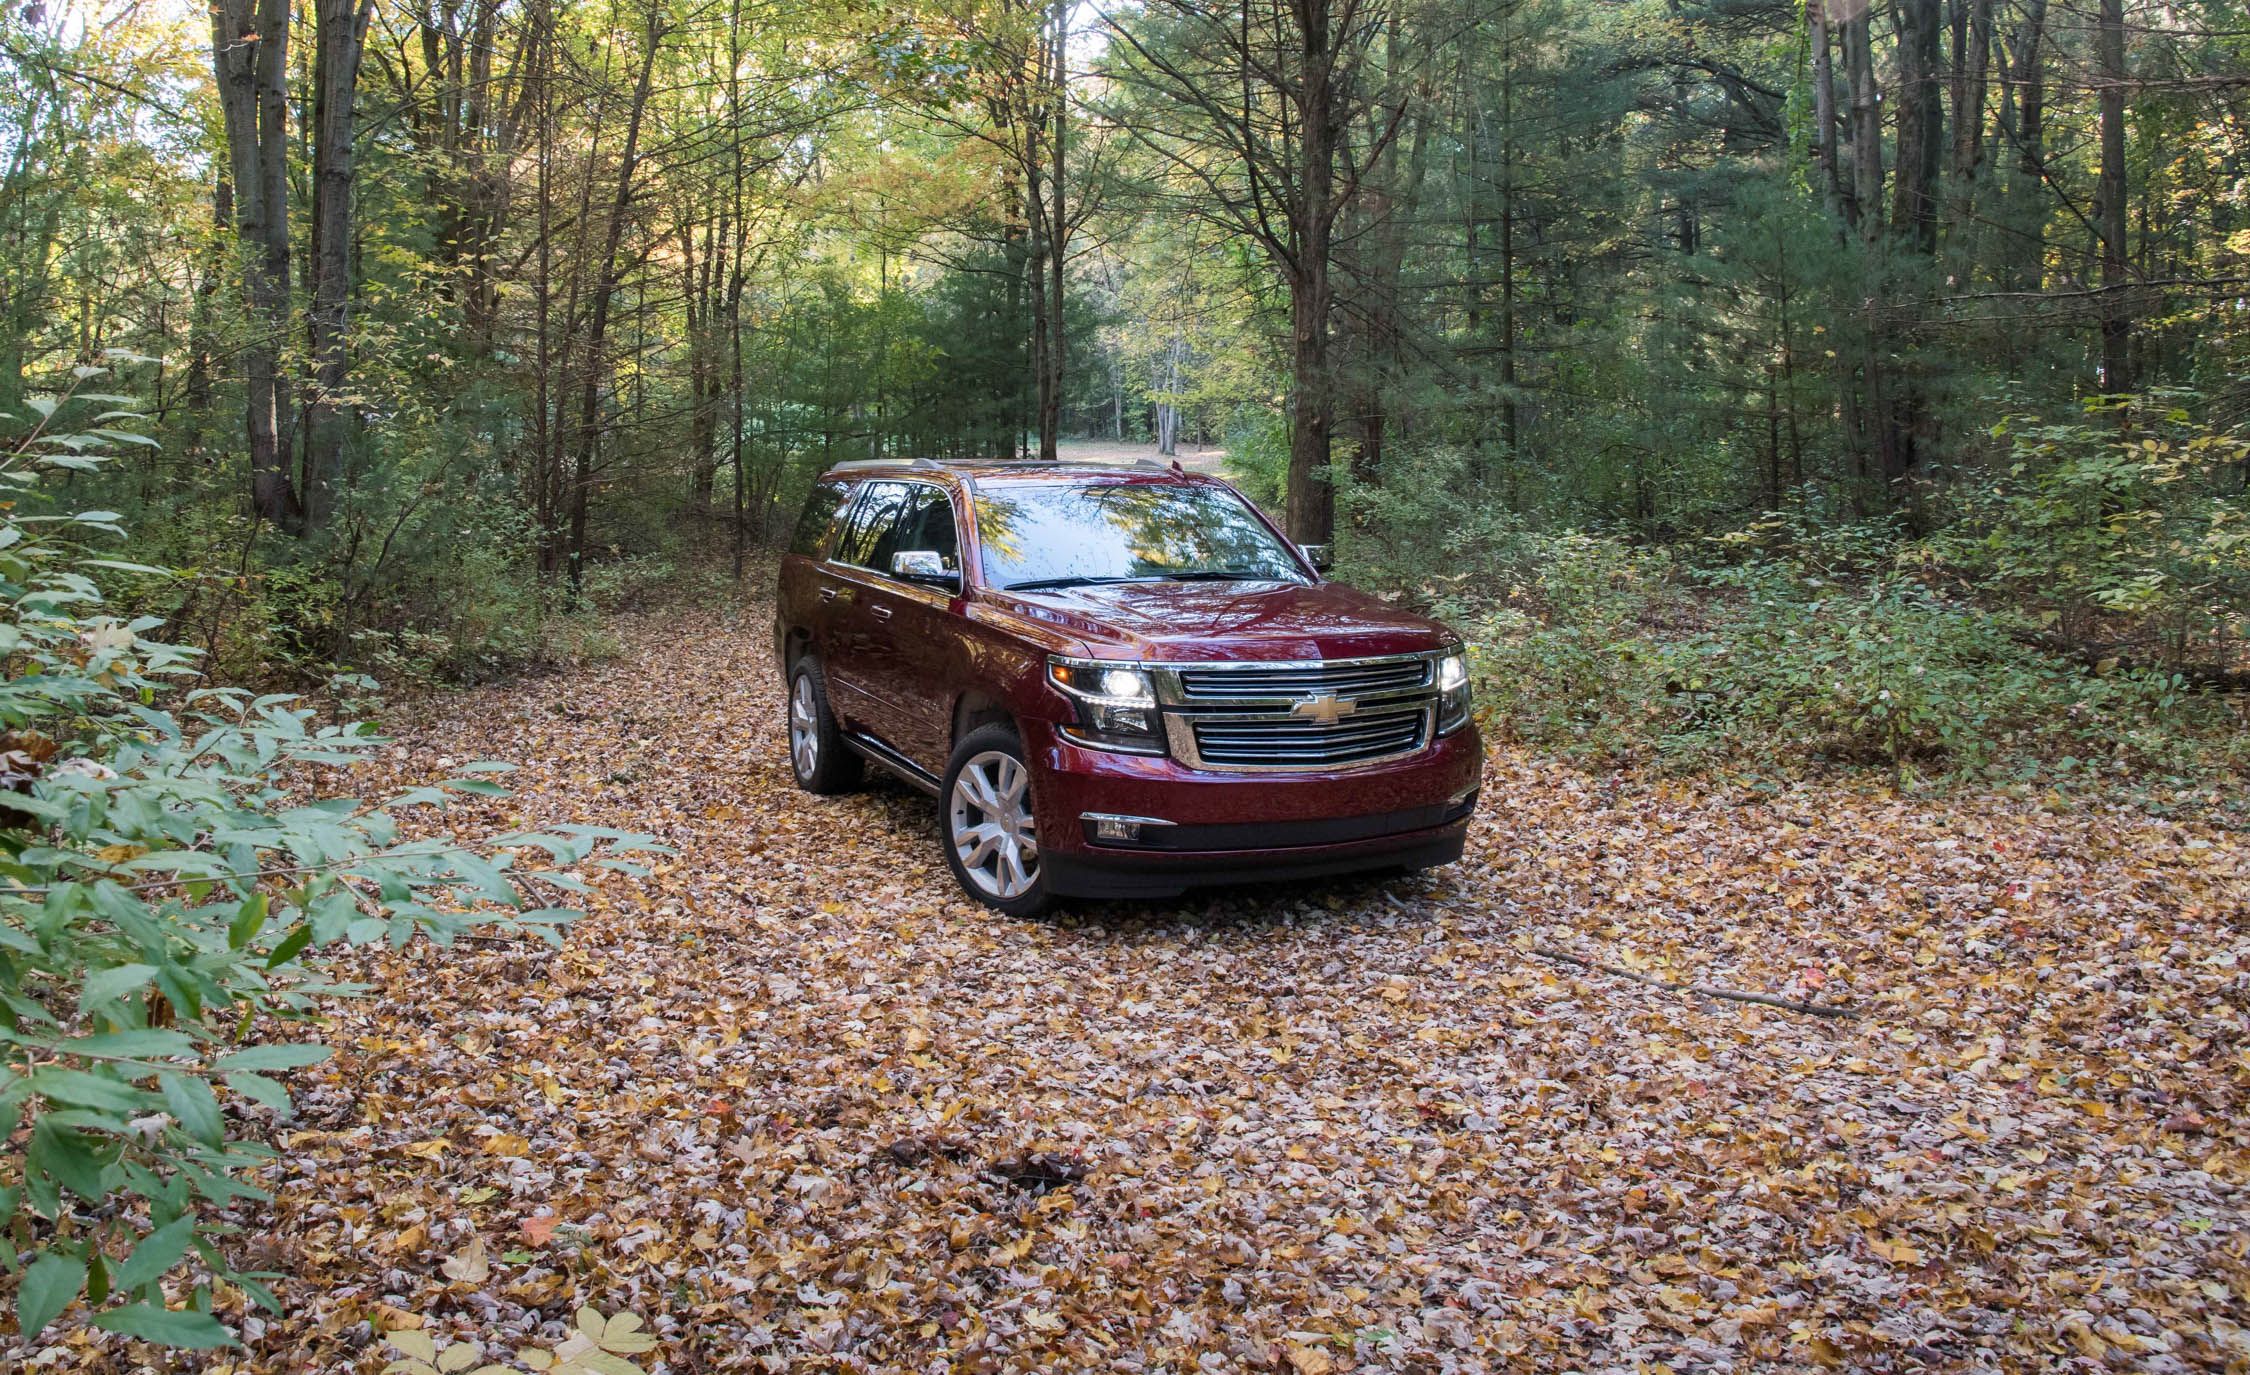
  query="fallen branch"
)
[{"x": 1706, "y": 990}]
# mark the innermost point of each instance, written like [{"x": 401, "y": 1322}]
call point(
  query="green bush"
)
[
  {"x": 1828, "y": 651},
  {"x": 1258, "y": 457},
  {"x": 2132, "y": 546},
  {"x": 168, "y": 902},
  {"x": 1888, "y": 670},
  {"x": 2068, "y": 618}
]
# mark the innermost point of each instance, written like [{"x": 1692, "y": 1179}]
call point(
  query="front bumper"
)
[{"x": 1244, "y": 827}]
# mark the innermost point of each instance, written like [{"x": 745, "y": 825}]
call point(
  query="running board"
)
[{"x": 875, "y": 751}]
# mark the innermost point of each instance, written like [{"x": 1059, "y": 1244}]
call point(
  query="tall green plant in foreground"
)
[{"x": 164, "y": 899}]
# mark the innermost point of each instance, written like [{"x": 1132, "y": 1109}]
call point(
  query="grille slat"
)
[
  {"x": 1301, "y": 680},
  {"x": 1278, "y": 733},
  {"x": 1289, "y": 742}
]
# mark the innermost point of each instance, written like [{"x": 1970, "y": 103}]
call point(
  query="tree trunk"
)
[
  {"x": 1920, "y": 127},
  {"x": 1828, "y": 174},
  {"x": 738, "y": 209},
  {"x": 1511, "y": 431},
  {"x": 338, "y": 43},
  {"x": 250, "y": 60},
  {"x": 1865, "y": 208},
  {"x": 1969, "y": 89},
  {"x": 2031, "y": 81},
  {"x": 2109, "y": 201},
  {"x": 1058, "y": 225},
  {"x": 1310, "y": 509},
  {"x": 606, "y": 282}
]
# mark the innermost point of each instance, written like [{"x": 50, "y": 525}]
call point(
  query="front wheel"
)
[{"x": 991, "y": 836}]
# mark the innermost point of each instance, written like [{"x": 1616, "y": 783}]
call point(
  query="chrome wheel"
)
[
  {"x": 804, "y": 727},
  {"x": 989, "y": 824}
]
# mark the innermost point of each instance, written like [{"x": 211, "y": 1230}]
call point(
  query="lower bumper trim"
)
[
  {"x": 1100, "y": 876},
  {"x": 1280, "y": 835}
]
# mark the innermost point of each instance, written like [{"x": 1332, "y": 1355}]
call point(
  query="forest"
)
[
  {"x": 1827, "y": 423},
  {"x": 442, "y": 312}
]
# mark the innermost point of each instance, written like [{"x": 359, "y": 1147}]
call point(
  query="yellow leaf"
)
[
  {"x": 408, "y": 1342},
  {"x": 471, "y": 1266}
]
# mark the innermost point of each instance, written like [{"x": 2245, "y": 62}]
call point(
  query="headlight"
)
[
  {"x": 1453, "y": 692},
  {"x": 1116, "y": 705}
]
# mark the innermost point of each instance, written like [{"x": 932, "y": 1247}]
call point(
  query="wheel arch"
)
[
  {"x": 976, "y": 708},
  {"x": 796, "y": 642}
]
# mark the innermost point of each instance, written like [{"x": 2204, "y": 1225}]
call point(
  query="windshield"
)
[{"x": 1060, "y": 534}]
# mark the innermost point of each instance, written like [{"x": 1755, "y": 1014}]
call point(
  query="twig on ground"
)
[
  {"x": 1738, "y": 995},
  {"x": 1706, "y": 990}
]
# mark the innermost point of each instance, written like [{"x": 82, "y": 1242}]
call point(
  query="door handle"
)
[
  {"x": 829, "y": 594},
  {"x": 880, "y": 613}
]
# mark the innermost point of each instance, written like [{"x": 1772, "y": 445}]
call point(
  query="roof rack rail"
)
[{"x": 858, "y": 464}]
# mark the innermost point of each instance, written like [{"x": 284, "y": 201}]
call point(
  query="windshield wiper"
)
[
  {"x": 1075, "y": 580},
  {"x": 1220, "y": 575}
]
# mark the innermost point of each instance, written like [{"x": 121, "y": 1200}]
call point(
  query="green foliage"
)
[
  {"x": 2134, "y": 544},
  {"x": 1258, "y": 457},
  {"x": 170, "y": 895},
  {"x": 1797, "y": 640}
]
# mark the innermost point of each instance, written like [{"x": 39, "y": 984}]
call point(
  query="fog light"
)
[{"x": 1119, "y": 830}]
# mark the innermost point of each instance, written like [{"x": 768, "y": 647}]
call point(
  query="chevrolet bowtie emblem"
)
[{"x": 1327, "y": 708}]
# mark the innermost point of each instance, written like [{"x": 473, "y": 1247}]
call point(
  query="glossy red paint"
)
[{"x": 911, "y": 668}]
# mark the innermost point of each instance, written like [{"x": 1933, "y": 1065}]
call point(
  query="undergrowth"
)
[{"x": 2079, "y": 622}]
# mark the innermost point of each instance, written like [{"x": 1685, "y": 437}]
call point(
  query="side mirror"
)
[
  {"x": 1321, "y": 556},
  {"x": 924, "y": 566}
]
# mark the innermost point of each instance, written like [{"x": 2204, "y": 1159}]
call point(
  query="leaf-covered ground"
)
[{"x": 803, "y": 1108}]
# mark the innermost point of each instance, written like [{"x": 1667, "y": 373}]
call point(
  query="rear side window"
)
[
  {"x": 823, "y": 510},
  {"x": 874, "y": 517}
]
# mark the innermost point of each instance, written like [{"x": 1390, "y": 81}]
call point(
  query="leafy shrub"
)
[
  {"x": 1593, "y": 647},
  {"x": 1258, "y": 457},
  {"x": 167, "y": 897},
  {"x": 1801, "y": 637},
  {"x": 1431, "y": 524},
  {"x": 2135, "y": 545}
]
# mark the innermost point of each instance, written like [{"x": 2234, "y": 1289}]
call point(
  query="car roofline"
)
[{"x": 970, "y": 467}]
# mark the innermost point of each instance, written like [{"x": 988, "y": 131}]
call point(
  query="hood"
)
[{"x": 1211, "y": 622}]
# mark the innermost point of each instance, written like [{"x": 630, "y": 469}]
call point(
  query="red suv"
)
[{"x": 1118, "y": 681}]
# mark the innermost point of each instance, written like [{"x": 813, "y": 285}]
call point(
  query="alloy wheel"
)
[
  {"x": 804, "y": 727},
  {"x": 990, "y": 826}
]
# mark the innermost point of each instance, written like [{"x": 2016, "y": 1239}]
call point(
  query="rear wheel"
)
[
  {"x": 818, "y": 756},
  {"x": 991, "y": 836}
]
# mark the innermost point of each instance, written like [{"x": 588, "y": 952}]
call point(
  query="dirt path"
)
[{"x": 803, "y": 1108}]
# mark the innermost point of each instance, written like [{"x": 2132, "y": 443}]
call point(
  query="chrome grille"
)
[
  {"x": 1344, "y": 678},
  {"x": 1290, "y": 743}
]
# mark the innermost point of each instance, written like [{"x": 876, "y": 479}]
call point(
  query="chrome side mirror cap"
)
[
  {"x": 1321, "y": 556},
  {"x": 923, "y": 565}
]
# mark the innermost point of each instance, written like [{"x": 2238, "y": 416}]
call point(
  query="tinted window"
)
[
  {"x": 823, "y": 509},
  {"x": 927, "y": 524},
  {"x": 1055, "y": 533},
  {"x": 872, "y": 519}
]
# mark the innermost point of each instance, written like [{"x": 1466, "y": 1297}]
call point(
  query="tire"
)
[
  {"x": 986, "y": 824},
  {"x": 818, "y": 756}
]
